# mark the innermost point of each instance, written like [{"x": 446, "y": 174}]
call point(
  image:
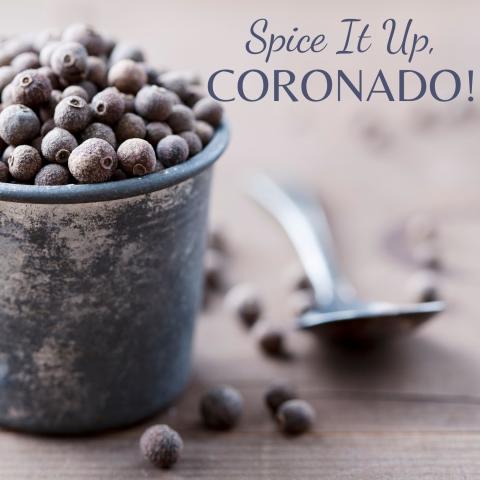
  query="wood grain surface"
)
[{"x": 409, "y": 411}]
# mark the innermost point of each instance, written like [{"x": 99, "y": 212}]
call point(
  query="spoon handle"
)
[{"x": 305, "y": 222}]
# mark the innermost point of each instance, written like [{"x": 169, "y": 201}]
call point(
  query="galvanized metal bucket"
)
[{"x": 99, "y": 289}]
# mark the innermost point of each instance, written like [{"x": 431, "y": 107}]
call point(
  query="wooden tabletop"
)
[{"x": 409, "y": 411}]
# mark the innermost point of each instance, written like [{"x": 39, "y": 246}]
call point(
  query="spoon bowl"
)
[{"x": 337, "y": 315}]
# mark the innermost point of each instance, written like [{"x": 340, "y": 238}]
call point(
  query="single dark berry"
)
[
  {"x": 77, "y": 91},
  {"x": 7, "y": 74},
  {"x": 31, "y": 88},
  {"x": 87, "y": 36},
  {"x": 108, "y": 106},
  {"x": 295, "y": 417},
  {"x": 217, "y": 240},
  {"x": 47, "y": 111},
  {"x": 100, "y": 130},
  {"x": 209, "y": 111},
  {"x": 153, "y": 103},
  {"x": 156, "y": 131},
  {"x": 36, "y": 143},
  {"x": 158, "y": 167},
  {"x": 69, "y": 61},
  {"x": 128, "y": 76},
  {"x": 51, "y": 75},
  {"x": 7, "y": 95},
  {"x": 192, "y": 94},
  {"x": 97, "y": 71},
  {"x": 47, "y": 51},
  {"x": 172, "y": 150},
  {"x": 161, "y": 446},
  {"x": 89, "y": 87},
  {"x": 270, "y": 339},
  {"x": 277, "y": 394},
  {"x": 129, "y": 102},
  {"x": 119, "y": 174},
  {"x": 25, "y": 61},
  {"x": 124, "y": 50},
  {"x": 72, "y": 114},
  {"x": 47, "y": 127},
  {"x": 193, "y": 141},
  {"x": 244, "y": 301},
  {"x": 178, "y": 81},
  {"x": 57, "y": 145},
  {"x": 181, "y": 119},
  {"x": 424, "y": 287},
  {"x": 204, "y": 131},
  {"x": 52, "y": 174},
  {"x": 4, "y": 173},
  {"x": 136, "y": 157},
  {"x": 18, "y": 124},
  {"x": 93, "y": 161},
  {"x": 130, "y": 126},
  {"x": 24, "y": 163},
  {"x": 152, "y": 73},
  {"x": 7, "y": 153},
  {"x": 221, "y": 408},
  {"x": 214, "y": 270}
]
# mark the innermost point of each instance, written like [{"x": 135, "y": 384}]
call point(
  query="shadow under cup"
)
[{"x": 99, "y": 289}]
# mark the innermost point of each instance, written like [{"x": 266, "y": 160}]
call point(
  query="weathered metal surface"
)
[{"x": 97, "y": 305}]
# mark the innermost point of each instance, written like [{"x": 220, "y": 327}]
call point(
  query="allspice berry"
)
[
  {"x": 181, "y": 119},
  {"x": 214, "y": 270},
  {"x": 295, "y": 417},
  {"x": 76, "y": 90},
  {"x": 24, "y": 163},
  {"x": 125, "y": 50},
  {"x": 25, "y": 61},
  {"x": 18, "y": 124},
  {"x": 87, "y": 36},
  {"x": 97, "y": 71},
  {"x": 172, "y": 150},
  {"x": 93, "y": 161},
  {"x": 156, "y": 131},
  {"x": 193, "y": 141},
  {"x": 244, "y": 301},
  {"x": 69, "y": 61},
  {"x": 52, "y": 174},
  {"x": 72, "y": 114},
  {"x": 7, "y": 74},
  {"x": 130, "y": 126},
  {"x": 423, "y": 287},
  {"x": 209, "y": 111},
  {"x": 108, "y": 106},
  {"x": 277, "y": 394},
  {"x": 100, "y": 130},
  {"x": 58, "y": 144},
  {"x": 221, "y": 408},
  {"x": 128, "y": 76},
  {"x": 153, "y": 103},
  {"x": 136, "y": 157},
  {"x": 4, "y": 173},
  {"x": 161, "y": 446},
  {"x": 270, "y": 339},
  {"x": 204, "y": 131}
]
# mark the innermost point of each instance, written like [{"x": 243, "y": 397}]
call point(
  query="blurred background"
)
[{"x": 376, "y": 164}]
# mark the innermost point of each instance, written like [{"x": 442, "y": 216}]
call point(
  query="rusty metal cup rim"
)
[{"x": 102, "y": 192}]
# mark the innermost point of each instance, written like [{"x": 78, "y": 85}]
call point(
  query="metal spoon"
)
[{"x": 338, "y": 315}]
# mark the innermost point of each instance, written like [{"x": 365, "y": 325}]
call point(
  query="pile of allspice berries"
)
[{"x": 78, "y": 107}]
